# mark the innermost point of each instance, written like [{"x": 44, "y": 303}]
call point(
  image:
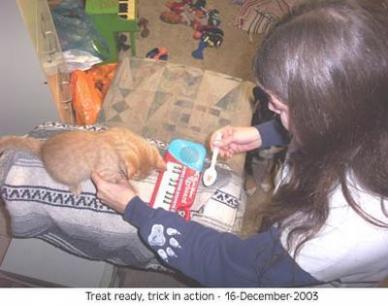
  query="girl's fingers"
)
[
  {"x": 97, "y": 179},
  {"x": 213, "y": 141},
  {"x": 223, "y": 153},
  {"x": 225, "y": 137}
]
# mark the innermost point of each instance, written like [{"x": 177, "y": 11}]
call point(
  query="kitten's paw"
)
[{"x": 75, "y": 190}]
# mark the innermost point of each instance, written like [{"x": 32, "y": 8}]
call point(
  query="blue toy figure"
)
[{"x": 198, "y": 53}]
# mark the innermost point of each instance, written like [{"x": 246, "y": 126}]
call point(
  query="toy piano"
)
[
  {"x": 177, "y": 186},
  {"x": 127, "y": 9}
]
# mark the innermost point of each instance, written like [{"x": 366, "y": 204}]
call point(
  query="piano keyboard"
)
[
  {"x": 168, "y": 185},
  {"x": 127, "y": 9},
  {"x": 177, "y": 186}
]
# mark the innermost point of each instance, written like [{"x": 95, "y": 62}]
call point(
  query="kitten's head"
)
[{"x": 136, "y": 150}]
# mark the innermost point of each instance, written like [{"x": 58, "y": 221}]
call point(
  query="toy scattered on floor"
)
[
  {"x": 209, "y": 38},
  {"x": 199, "y": 4},
  {"x": 198, "y": 53},
  {"x": 213, "y": 37},
  {"x": 70, "y": 157},
  {"x": 178, "y": 7},
  {"x": 214, "y": 18},
  {"x": 143, "y": 25},
  {"x": 158, "y": 54},
  {"x": 204, "y": 22}
]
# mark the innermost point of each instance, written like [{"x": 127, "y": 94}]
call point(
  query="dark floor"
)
[{"x": 132, "y": 278}]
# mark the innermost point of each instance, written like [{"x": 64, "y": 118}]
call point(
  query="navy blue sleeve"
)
[
  {"x": 214, "y": 258},
  {"x": 272, "y": 134}
]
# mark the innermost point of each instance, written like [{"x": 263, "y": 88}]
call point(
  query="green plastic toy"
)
[{"x": 112, "y": 17}]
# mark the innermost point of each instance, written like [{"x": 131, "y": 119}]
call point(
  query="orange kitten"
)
[{"x": 71, "y": 156}]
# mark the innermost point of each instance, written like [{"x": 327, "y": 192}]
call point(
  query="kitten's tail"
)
[{"x": 28, "y": 144}]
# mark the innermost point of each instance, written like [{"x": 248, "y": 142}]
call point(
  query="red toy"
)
[
  {"x": 158, "y": 53},
  {"x": 177, "y": 186},
  {"x": 178, "y": 7}
]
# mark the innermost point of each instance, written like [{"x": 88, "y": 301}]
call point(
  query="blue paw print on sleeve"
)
[{"x": 164, "y": 241}]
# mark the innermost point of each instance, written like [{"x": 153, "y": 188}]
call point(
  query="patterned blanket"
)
[
  {"x": 164, "y": 101},
  {"x": 42, "y": 208}
]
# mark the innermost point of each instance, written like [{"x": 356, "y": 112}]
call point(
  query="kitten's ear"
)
[
  {"x": 130, "y": 170},
  {"x": 160, "y": 163}
]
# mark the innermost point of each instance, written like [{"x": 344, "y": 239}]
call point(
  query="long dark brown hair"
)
[{"x": 328, "y": 61}]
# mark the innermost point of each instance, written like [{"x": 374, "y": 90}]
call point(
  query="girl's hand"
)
[
  {"x": 116, "y": 196},
  {"x": 236, "y": 140}
]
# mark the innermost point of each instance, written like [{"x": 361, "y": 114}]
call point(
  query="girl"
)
[{"x": 325, "y": 69}]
